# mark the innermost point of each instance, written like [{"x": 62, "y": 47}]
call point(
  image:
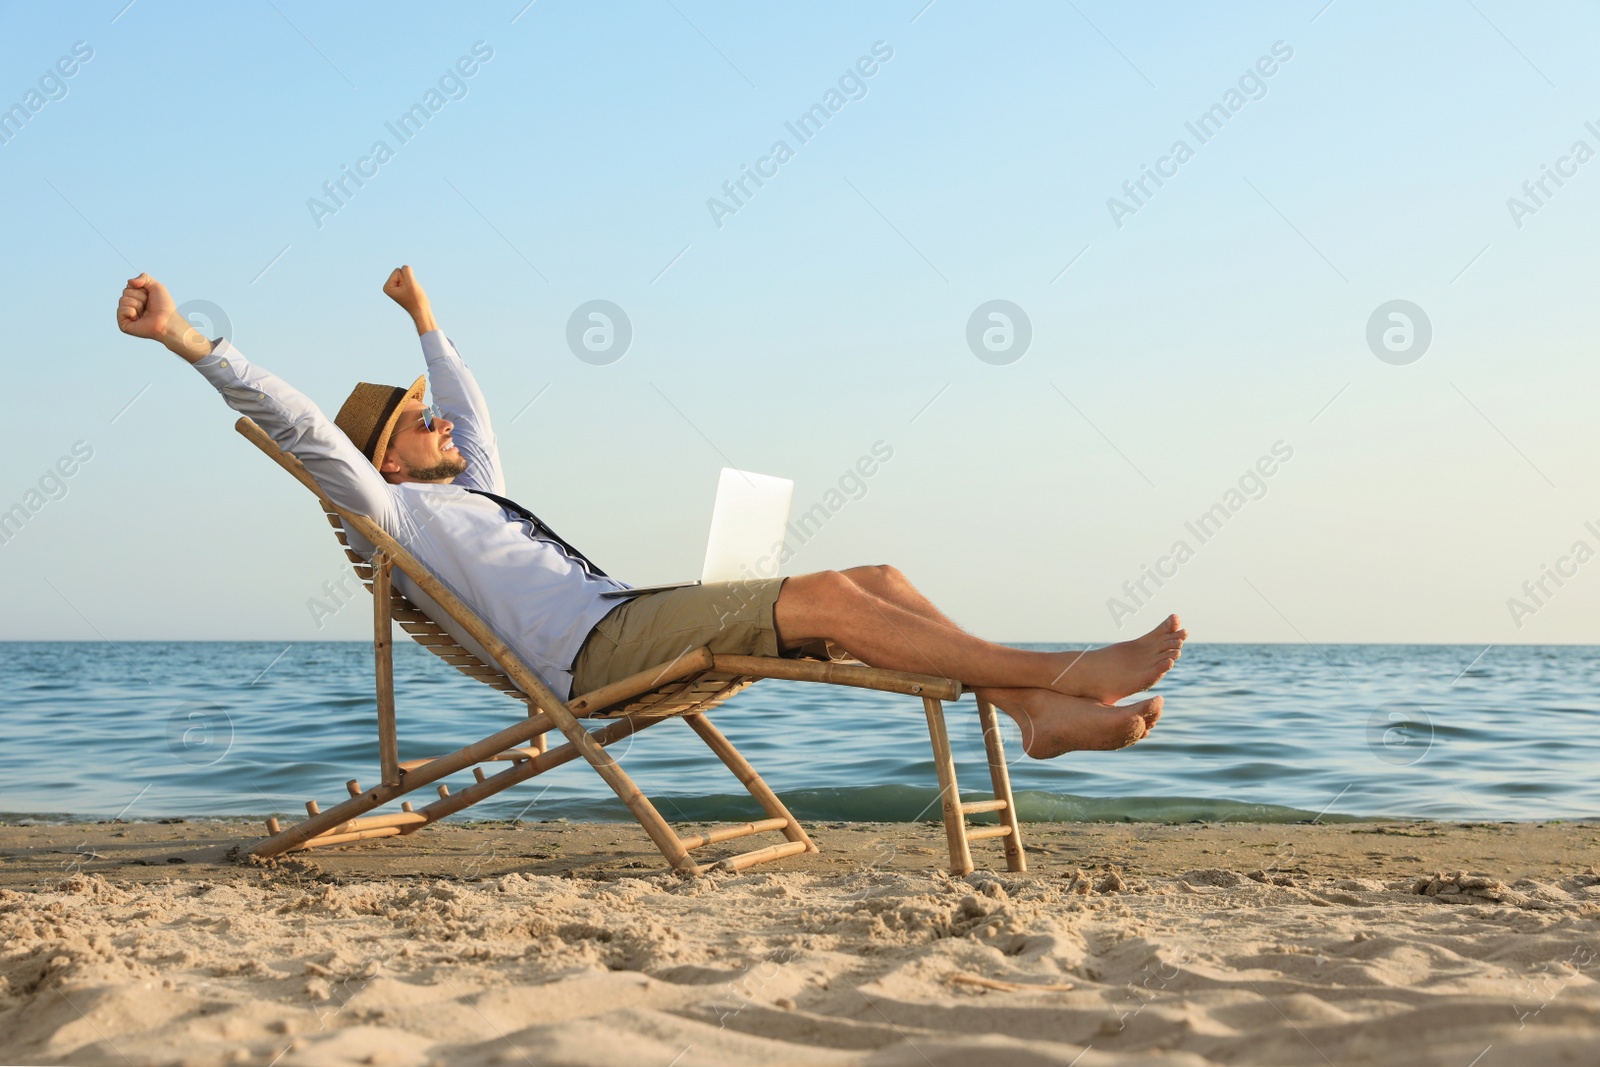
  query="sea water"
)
[{"x": 1266, "y": 733}]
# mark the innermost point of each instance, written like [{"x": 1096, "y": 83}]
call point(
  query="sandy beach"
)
[{"x": 552, "y": 943}]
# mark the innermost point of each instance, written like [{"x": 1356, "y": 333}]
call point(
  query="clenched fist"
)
[
  {"x": 145, "y": 308},
  {"x": 404, "y": 289},
  {"x": 148, "y": 310}
]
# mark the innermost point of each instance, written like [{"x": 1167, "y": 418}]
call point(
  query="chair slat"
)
[
  {"x": 480, "y": 670},
  {"x": 424, "y": 628}
]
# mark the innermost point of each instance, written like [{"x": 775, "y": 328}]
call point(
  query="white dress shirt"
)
[{"x": 536, "y": 597}]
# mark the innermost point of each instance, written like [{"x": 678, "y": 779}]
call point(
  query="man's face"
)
[{"x": 418, "y": 454}]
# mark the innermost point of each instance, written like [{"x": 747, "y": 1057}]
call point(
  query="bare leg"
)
[
  {"x": 888, "y": 615},
  {"x": 1051, "y": 723},
  {"x": 831, "y": 606},
  {"x": 881, "y": 618},
  {"x": 887, "y": 583}
]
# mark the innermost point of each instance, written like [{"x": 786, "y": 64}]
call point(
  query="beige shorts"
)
[{"x": 733, "y": 618}]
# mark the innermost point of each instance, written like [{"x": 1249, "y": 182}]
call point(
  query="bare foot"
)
[
  {"x": 1053, "y": 724},
  {"x": 1110, "y": 674}
]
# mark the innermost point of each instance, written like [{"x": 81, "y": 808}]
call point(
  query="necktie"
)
[{"x": 539, "y": 525}]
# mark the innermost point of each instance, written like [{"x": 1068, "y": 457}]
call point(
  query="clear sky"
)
[{"x": 1355, "y": 154}]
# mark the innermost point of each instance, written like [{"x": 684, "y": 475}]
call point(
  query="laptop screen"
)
[{"x": 747, "y": 526}]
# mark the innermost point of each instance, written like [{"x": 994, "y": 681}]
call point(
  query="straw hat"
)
[{"x": 370, "y": 412}]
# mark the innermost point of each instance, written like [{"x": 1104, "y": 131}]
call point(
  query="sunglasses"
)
[{"x": 430, "y": 415}]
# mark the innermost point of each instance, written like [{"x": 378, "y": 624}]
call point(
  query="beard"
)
[{"x": 447, "y": 467}]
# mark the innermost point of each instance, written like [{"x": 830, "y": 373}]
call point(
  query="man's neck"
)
[{"x": 402, "y": 480}]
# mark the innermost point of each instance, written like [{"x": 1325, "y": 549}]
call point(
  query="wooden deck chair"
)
[{"x": 685, "y": 688}]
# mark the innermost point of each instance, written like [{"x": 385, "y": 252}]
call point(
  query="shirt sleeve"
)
[
  {"x": 300, "y": 428},
  {"x": 458, "y": 396}
]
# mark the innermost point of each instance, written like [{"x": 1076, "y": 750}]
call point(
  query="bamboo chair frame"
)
[{"x": 687, "y": 687}]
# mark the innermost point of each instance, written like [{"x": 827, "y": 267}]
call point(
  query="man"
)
[{"x": 430, "y": 476}]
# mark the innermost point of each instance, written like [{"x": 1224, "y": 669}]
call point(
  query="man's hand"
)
[
  {"x": 404, "y": 289},
  {"x": 148, "y": 310}
]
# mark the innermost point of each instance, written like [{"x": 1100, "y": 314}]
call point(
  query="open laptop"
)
[{"x": 748, "y": 524}]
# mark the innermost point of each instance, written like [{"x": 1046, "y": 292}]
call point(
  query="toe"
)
[{"x": 1163, "y": 630}]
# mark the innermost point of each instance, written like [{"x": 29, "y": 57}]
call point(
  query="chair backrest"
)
[
  {"x": 423, "y": 629},
  {"x": 697, "y": 692},
  {"x": 426, "y": 631}
]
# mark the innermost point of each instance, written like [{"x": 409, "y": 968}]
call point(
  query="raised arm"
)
[
  {"x": 455, "y": 391},
  {"x": 298, "y": 426}
]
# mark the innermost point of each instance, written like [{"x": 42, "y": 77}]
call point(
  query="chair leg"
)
[
  {"x": 644, "y": 811},
  {"x": 1000, "y": 775},
  {"x": 383, "y": 653},
  {"x": 955, "y": 825},
  {"x": 747, "y": 775}
]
